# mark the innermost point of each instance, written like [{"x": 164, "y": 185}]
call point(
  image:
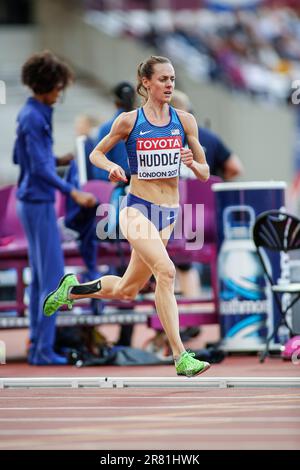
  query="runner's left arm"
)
[{"x": 194, "y": 156}]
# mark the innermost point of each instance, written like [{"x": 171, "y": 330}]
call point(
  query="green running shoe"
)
[
  {"x": 59, "y": 296},
  {"x": 187, "y": 365}
]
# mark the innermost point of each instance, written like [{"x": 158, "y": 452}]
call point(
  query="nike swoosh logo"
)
[
  {"x": 145, "y": 132},
  {"x": 171, "y": 218}
]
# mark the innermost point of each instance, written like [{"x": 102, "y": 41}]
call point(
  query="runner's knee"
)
[{"x": 165, "y": 272}]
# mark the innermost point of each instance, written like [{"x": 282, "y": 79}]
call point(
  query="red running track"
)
[{"x": 161, "y": 418}]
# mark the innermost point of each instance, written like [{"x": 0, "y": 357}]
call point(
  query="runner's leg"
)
[
  {"x": 149, "y": 256},
  {"x": 152, "y": 251}
]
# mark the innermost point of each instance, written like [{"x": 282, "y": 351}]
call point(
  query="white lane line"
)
[
  {"x": 160, "y": 418},
  {"x": 111, "y": 397},
  {"x": 179, "y": 407},
  {"x": 141, "y": 432},
  {"x": 258, "y": 401}
]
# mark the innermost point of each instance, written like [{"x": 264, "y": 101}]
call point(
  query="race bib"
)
[{"x": 158, "y": 157}]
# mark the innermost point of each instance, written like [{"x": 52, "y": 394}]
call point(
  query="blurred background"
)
[{"x": 236, "y": 59}]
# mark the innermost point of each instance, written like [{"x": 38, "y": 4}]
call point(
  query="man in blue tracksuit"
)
[
  {"x": 46, "y": 77},
  {"x": 221, "y": 161}
]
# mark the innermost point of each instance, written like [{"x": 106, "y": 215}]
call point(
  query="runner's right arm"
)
[{"x": 119, "y": 131}]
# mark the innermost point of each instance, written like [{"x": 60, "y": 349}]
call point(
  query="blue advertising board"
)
[{"x": 246, "y": 306}]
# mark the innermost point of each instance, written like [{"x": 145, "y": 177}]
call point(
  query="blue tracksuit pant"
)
[{"x": 47, "y": 268}]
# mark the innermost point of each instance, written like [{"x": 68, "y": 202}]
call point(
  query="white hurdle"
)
[{"x": 150, "y": 382}]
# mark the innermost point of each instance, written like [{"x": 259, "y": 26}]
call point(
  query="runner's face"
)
[{"x": 162, "y": 82}]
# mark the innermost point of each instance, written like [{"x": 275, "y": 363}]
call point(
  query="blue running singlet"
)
[{"x": 154, "y": 151}]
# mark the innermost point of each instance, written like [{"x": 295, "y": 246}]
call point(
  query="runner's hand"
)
[
  {"x": 117, "y": 174},
  {"x": 187, "y": 157}
]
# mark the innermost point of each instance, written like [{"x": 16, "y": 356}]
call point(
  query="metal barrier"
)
[
  {"x": 191, "y": 312},
  {"x": 150, "y": 382}
]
